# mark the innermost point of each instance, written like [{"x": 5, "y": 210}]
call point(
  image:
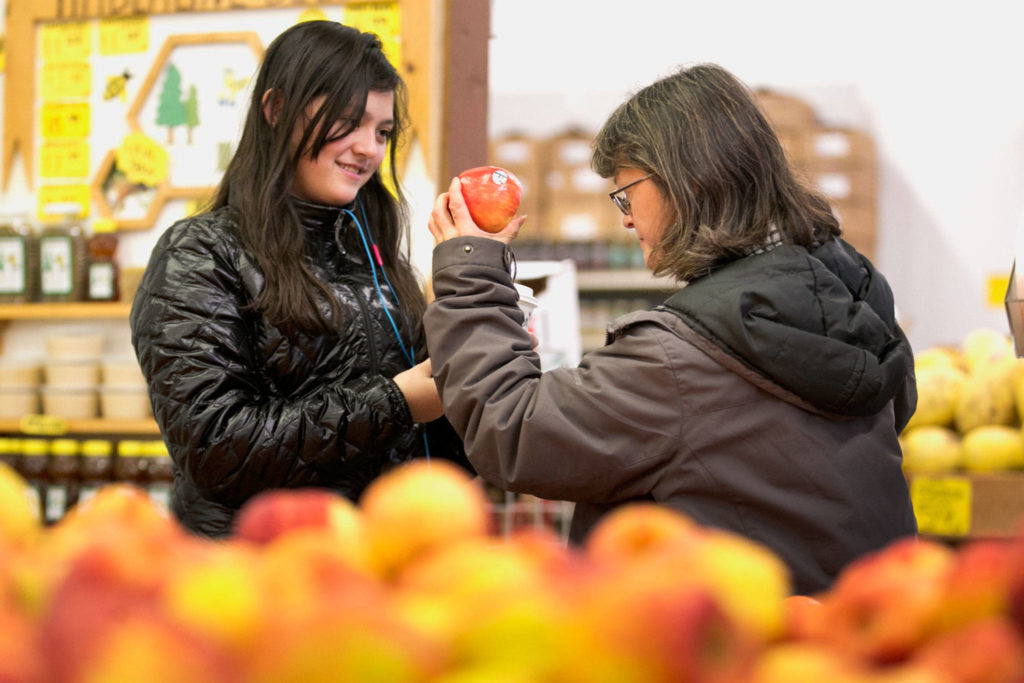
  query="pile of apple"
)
[
  {"x": 412, "y": 585},
  {"x": 970, "y": 407}
]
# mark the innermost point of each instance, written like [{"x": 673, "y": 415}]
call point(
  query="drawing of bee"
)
[{"x": 116, "y": 86}]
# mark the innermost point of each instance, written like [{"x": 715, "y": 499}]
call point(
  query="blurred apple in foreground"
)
[
  {"x": 492, "y": 195},
  {"x": 419, "y": 507}
]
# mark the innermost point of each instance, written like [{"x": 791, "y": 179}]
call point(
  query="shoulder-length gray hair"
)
[{"x": 718, "y": 161}]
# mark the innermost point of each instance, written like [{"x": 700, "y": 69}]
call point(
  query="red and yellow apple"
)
[{"x": 492, "y": 195}]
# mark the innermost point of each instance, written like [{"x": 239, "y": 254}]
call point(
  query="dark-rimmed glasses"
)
[{"x": 619, "y": 197}]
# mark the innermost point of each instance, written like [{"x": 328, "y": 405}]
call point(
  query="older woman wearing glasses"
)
[{"x": 764, "y": 397}]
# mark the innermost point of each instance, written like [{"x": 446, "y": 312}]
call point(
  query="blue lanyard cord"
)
[{"x": 376, "y": 284}]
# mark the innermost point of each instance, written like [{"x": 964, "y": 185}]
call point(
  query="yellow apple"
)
[{"x": 419, "y": 507}]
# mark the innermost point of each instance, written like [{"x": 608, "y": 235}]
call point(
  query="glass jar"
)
[
  {"x": 62, "y": 257},
  {"x": 130, "y": 463},
  {"x": 96, "y": 467},
  {"x": 9, "y": 452},
  {"x": 32, "y": 466},
  {"x": 103, "y": 270},
  {"x": 62, "y": 487},
  {"x": 19, "y": 262},
  {"x": 159, "y": 472}
]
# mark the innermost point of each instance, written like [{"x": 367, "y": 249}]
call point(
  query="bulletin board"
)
[{"x": 118, "y": 108}]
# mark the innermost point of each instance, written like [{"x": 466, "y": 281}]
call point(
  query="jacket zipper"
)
[{"x": 367, "y": 322}]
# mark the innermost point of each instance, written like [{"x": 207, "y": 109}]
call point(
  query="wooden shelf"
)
[
  {"x": 70, "y": 310},
  {"x": 622, "y": 280},
  {"x": 96, "y": 426}
]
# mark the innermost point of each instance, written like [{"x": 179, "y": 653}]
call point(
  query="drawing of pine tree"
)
[
  {"x": 171, "y": 110},
  {"x": 191, "y": 111}
]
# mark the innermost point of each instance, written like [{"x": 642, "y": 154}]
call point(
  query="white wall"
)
[{"x": 940, "y": 86}]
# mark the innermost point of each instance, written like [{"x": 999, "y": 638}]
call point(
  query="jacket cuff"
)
[
  {"x": 481, "y": 251},
  {"x": 402, "y": 415}
]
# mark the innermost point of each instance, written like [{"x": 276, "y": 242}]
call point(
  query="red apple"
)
[{"x": 492, "y": 195}]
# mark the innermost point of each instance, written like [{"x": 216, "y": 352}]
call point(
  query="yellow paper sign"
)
[
  {"x": 70, "y": 42},
  {"x": 142, "y": 160},
  {"x": 65, "y": 121},
  {"x": 996, "y": 289},
  {"x": 66, "y": 80},
  {"x": 43, "y": 425},
  {"x": 3, "y": 52},
  {"x": 62, "y": 194},
  {"x": 64, "y": 159},
  {"x": 124, "y": 35},
  {"x": 942, "y": 505},
  {"x": 382, "y": 18}
]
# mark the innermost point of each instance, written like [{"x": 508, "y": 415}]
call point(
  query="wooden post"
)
[{"x": 464, "y": 122}]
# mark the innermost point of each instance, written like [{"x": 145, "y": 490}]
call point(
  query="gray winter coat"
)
[{"x": 767, "y": 401}]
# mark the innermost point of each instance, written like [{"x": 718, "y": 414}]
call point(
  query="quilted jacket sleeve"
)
[{"x": 225, "y": 429}]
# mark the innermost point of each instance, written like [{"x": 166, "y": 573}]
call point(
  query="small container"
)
[
  {"x": 19, "y": 264},
  {"x": 527, "y": 304},
  {"x": 72, "y": 403},
  {"x": 62, "y": 468},
  {"x": 72, "y": 373},
  {"x": 32, "y": 465},
  {"x": 103, "y": 271},
  {"x": 130, "y": 462},
  {"x": 121, "y": 371},
  {"x": 17, "y": 402},
  {"x": 96, "y": 468},
  {"x": 10, "y": 452},
  {"x": 124, "y": 402},
  {"x": 159, "y": 472},
  {"x": 75, "y": 346},
  {"x": 19, "y": 374},
  {"x": 62, "y": 256}
]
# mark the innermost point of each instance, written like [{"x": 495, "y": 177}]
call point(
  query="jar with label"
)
[
  {"x": 62, "y": 256},
  {"x": 62, "y": 488},
  {"x": 96, "y": 468},
  {"x": 18, "y": 261},
  {"x": 102, "y": 279},
  {"x": 32, "y": 465},
  {"x": 130, "y": 463},
  {"x": 9, "y": 452},
  {"x": 160, "y": 472}
]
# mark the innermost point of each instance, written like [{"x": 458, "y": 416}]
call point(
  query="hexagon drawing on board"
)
[{"x": 192, "y": 98}]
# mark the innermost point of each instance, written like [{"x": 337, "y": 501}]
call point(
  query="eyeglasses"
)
[{"x": 619, "y": 197}]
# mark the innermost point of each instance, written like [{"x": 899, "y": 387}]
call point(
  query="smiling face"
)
[
  {"x": 649, "y": 210},
  {"x": 345, "y": 163}
]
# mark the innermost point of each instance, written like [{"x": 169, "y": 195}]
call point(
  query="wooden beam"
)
[{"x": 464, "y": 127}]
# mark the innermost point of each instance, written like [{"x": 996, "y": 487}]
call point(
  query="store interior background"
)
[{"x": 938, "y": 87}]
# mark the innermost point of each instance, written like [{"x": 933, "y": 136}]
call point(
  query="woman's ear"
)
[{"x": 271, "y": 106}]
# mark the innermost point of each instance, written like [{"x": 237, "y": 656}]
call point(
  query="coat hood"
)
[{"x": 820, "y": 324}]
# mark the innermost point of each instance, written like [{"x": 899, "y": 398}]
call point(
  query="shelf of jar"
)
[
  {"x": 144, "y": 427},
  {"x": 66, "y": 310},
  {"x": 623, "y": 280}
]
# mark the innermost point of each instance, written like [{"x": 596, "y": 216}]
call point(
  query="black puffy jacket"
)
[{"x": 246, "y": 406}]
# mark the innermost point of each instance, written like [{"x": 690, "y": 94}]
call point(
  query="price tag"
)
[
  {"x": 382, "y": 18},
  {"x": 942, "y": 505},
  {"x": 65, "y": 121},
  {"x": 64, "y": 159},
  {"x": 66, "y": 42},
  {"x": 124, "y": 35},
  {"x": 66, "y": 80},
  {"x": 55, "y": 195},
  {"x": 43, "y": 425}
]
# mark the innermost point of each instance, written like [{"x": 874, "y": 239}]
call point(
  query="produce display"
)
[
  {"x": 969, "y": 408},
  {"x": 412, "y": 584}
]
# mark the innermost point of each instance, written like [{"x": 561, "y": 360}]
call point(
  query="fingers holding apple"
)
[{"x": 480, "y": 202}]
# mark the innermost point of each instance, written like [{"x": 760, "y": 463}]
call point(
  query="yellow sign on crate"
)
[{"x": 942, "y": 505}]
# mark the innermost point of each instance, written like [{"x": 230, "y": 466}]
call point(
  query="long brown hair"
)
[
  {"x": 718, "y": 161},
  {"x": 307, "y": 61}
]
